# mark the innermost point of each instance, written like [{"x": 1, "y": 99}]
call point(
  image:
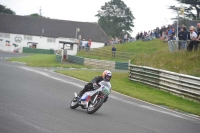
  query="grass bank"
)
[
  {"x": 121, "y": 83},
  {"x": 154, "y": 54}
]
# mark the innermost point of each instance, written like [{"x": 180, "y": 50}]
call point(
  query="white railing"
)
[
  {"x": 176, "y": 45},
  {"x": 183, "y": 85}
]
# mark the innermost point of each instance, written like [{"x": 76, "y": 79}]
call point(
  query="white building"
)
[{"x": 17, "y": 32}]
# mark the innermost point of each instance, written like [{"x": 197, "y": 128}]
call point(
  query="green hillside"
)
[{"x": 153, "y": 53}]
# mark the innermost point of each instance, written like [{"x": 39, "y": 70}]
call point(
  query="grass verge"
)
[
  {"x": 121, "y": 84},
  {"x": 45, "y": 60}
]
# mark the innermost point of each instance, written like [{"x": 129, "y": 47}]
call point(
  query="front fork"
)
[
  {"x": 94, "y": 99},
  {"x": 100, "y": 95}
]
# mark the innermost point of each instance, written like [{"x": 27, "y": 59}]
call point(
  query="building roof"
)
[{"x": 28, "y": 25}]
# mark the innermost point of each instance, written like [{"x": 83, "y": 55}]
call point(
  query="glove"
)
[{"x": 95, "y": 86}]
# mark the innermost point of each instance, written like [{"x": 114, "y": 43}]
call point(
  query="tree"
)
[
  {"x": 190, "y": 7},
  {"x": 35, "y": 15},
  {"x": 5, "y": 10},
  {"x": 38, "y": 15},
  {"x": 115, "y": 18}
]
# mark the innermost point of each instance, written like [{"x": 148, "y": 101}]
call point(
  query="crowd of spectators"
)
[
  {"x": 85, "y": 45},
  {"x": 185, "y": 39},
  {"x": 163, "y": 32},
  {"x": 126, "y": 38}
]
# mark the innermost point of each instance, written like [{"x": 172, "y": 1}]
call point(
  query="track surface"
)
[{"x": 35, "y": 100}]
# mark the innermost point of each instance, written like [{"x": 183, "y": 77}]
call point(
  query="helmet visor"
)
[{"x": 107, "y": 78}]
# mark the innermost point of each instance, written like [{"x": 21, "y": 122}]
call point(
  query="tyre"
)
[
  {"x": 92, "y": 108},
  {"x": 74, "y": 103}
]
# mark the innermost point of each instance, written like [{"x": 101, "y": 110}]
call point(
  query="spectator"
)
[
  {"x": 170, "y": 33},
  {"x": 86, "y": 46},
  {"x": 83, "y": 44},
  {"x": 192, "y": 37},
  {"x": 125, "y": 37},
  {"x": 182, "y": 38},
  {"x": 157, "y": 32},
  {"x": 198, "y": 34},
  {"x": 113, "y": 51},
  {"x": 89, "y": 44}
]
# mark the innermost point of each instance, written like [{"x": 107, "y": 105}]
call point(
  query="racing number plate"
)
[{"x": 106, "y": 90}]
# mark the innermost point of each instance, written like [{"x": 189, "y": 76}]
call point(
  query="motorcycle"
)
[{"x": 92, "y": 100}]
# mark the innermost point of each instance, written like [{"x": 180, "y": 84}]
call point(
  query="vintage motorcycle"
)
[{"x": 92, "y": 100}]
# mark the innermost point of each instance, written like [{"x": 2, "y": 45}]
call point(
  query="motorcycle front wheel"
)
[
  {"x": 92, "y": 108},
  {"x": 74, "y": 103}
]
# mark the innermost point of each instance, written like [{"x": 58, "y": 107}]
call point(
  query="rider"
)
[{"x": 106, "y": 76}]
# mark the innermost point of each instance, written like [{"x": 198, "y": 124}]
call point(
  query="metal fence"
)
[
  {"x": 176, "y": 45},
  {"x": 183, "y": 85}
]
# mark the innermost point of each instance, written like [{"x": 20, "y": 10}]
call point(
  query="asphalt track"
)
[{"x": 36, "y": 100}]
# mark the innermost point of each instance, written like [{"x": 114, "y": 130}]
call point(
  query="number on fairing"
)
[{"x": 106, "y": 90}]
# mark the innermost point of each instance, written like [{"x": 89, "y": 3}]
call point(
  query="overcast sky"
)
[{"x": 149, "y": 14}]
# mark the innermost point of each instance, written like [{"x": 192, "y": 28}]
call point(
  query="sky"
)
[{"x": 148, "y": 14}]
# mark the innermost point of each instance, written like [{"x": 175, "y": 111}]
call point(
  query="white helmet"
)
[{"x": 107, "y": 75}]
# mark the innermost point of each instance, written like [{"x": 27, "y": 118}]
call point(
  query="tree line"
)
[{"x": 116, "y": 18}]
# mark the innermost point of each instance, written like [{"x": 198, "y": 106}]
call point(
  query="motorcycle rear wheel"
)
[
  {"x": 74, "y": 103},
  {"x": 92, "y": 108}
]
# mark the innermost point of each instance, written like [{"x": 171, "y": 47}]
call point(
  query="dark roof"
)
[{"x": 28, "y": 25}]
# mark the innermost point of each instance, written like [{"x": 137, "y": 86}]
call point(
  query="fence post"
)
[{"x": 129, "y": 63}]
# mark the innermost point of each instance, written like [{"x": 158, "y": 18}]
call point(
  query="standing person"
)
[
  {"x": 89, "y": 44},
  {"x": 198, "y": 34},
  {"x": 125, "y": 38},
  {"x": 114, "y": 51},
  {"x": 170, "y": 33},
  {"x": 182, "y": 35},
  {"x": 157, "y": 32},
  {"x": 192, "y": 37},
  {"x": 83, "y": 44}
]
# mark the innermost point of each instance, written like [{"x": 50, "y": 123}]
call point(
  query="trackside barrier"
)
[
  {"x": 76, "y": 59},
  {"x": 58, "y": 58},
  {"x": 104, "y": 64},
  {"x": 37, "y": 51},
  {"x": 183, "y": 85}
]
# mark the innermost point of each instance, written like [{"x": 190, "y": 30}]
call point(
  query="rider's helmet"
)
[{"x": 107, "y": 75}]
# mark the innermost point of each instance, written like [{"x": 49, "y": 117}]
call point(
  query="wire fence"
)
[{"x": 176, "y": 45}]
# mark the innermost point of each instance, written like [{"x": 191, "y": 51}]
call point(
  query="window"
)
[
  {"x": 28, "y": 37},
  {"x": 51, "y": 40}
]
